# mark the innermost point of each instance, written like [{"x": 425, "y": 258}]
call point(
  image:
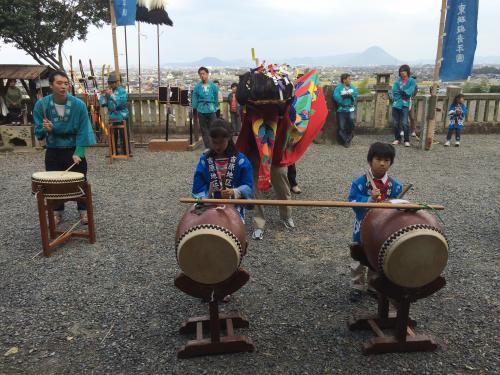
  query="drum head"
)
[
  {"x": 415, "y": 258},
  {"x": 57, "y": 176},
  {"x": 208, "y": 255}
]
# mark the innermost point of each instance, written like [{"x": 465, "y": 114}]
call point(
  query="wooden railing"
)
[{"x": 483, "y": 109}]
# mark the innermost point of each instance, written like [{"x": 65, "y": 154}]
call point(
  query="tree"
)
[{"x": 40, "y": 27}]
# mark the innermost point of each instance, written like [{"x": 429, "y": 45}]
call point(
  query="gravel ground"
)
[{"x": 111, "y": 307}]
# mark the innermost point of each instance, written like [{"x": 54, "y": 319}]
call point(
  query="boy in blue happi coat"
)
[
  {"x": 115, "y": 99},
  {"x": 345, "y": 96},
  {"x": 222, "y": 171},
  {"x": 457, "y": 112},
  {"x": 62, "y": 121},
  {"x": 380, "y": 158},
  {"x": 205, "y": 101}
]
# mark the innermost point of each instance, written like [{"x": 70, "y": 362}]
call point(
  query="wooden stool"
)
[
  {"x": 112, "y": 141},
  {"x": 214, "y": 322},
  {"x": 46, "y": 210}
]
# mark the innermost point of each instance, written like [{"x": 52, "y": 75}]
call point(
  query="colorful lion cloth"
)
[{"x": 279, "y": 134}]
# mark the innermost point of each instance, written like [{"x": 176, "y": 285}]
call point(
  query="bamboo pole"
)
[
  {"x": 305, "y": 203},
  {"x": 139, "y": 77},
  {"x": 115, "y": 45},
  {"x": 431, "y": 116},
  {"x": 126, "y": 59},
  {"x": 159, "y": 75}
]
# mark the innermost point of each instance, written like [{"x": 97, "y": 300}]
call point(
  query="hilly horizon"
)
[{"x": 372, "y": 56}]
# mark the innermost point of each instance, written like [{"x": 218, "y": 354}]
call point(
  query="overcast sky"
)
[{"x": 227, "y": 29}]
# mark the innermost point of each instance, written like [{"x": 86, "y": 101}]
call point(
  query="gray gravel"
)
[{"x": 111, "y": 308}]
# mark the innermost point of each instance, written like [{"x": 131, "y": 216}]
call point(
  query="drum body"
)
[
  {"x": 59, "y": 184},
  {"x": 408, "y": 247},
  {"x": 210, "y": 243}
]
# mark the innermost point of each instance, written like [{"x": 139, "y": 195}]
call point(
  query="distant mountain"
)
[{"x": 373, "y": 56}]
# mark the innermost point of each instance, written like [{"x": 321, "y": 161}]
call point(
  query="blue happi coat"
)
[
  {"x": 401, "y": 94},
  {"x": 116, "y": 103},
  {"x": 205, "y": 99},
  {"x": 456, "y": 120},
  {"x": 72, "y": 130},
  {"x": 345, "y": 103},
  {"x": 242, "y": 180},
  {"x": 361, "y": 191}
]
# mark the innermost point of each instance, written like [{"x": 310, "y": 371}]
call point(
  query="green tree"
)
[
  {"x": 362, "y": 87},
  {"x": 495, "y": 88},
  {"x": 40, "y": 27}
]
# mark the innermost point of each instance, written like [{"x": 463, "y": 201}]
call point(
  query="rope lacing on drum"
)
[
  {"x": 209, "y": 226},
  {"x": 396, "y": 235},
  {"x": 433, "y": 210}
]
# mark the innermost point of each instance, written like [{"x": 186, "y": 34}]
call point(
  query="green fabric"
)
[
  {"x": 80, "y": 151},
  {"x": 13, "y": 97}
]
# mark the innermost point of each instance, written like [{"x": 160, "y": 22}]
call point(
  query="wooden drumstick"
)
[
  {"x": 306, "y": 203},
  {"x": 71, "y": 166},
  {"x": 406, "y": 189},
  {"x": 370, "y": 178}
]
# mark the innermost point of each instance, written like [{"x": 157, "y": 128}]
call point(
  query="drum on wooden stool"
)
[
  {"x": 210, "y": 243},
  {"x": 59, "y": 184},
  {"x": 408, "y": 247}
]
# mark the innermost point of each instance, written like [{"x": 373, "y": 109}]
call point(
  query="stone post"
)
[
  {"x": 382, "y": 103},
  {"x": 328, "y": 133}
]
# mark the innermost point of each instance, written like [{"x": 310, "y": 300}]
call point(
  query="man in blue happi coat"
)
[
  {"x": 63, "y": 122},
  {"x": 205, "y": 101}
]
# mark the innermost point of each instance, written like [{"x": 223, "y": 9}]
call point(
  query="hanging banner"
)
[
  {"x": 125, "y": 12},
  {"x": 459, "y": 43}
]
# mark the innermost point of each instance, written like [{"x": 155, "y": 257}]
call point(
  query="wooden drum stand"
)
[
  {"x": 48, "y": 226},
  {"x": 112, "y": 141},
  {"x": 214, "y": 322},
  {"x": 403, "y": 338}
]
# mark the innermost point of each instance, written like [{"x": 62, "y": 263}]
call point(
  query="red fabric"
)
[
  {"x": 382, "y": 187},
  {"x": 316, "y": 122},
  {"x": 233, "y": 103}
]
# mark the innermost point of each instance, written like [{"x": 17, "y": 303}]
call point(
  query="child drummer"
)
[{"x": 374, "y": 186}]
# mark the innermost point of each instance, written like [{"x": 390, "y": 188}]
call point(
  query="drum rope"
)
[
  {"x": 433, "y": 210},
  {"x": 69, "y": 230}
]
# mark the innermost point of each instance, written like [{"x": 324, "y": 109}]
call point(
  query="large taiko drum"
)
[
  {"x": 59, "y": 184},
  {"x": 408, "y": 247},
  {"x": 210, "y": 243}
]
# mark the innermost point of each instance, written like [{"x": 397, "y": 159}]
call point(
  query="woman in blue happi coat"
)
[
  {"x": 222, "y": 171},
  {"x": 402, "y": 92},
  {"x": 63, "y": 122}
]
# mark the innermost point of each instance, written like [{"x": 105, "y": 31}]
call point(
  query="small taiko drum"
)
[
  {"x": 58, "y": 184},
  {"x": 408, "y": 247},
  {"x": 210, "y": 243}
]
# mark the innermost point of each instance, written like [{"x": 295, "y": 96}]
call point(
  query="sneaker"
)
[
  {"x": 447, "y": 144},
  {"x": 402, "y": 134},
  {"x": 84, "y": 218},
  {"x": 296, "y": 190},
  {"x": 407, "y": 144},
  {"x": 457, "y": 144},
  {"x": 258, "y": 234},
  {"x": 396, "y": 142},
  {"x": 414, "y": 135},
  {"x": 288, "y": 223}
]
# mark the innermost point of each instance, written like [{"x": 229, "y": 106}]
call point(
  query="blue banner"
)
[
  {"x": 125, "y": 12},
  {"x": 459, "y": 44}
]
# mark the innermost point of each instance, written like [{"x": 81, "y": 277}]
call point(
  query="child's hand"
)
[
  {"x": 376, "y": 195},
  {"x": 227, "y": 193},
  {"x": 211, "y": 190}
]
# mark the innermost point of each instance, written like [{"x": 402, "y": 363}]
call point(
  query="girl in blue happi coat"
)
[
  {"x": 222, "y": 171},
  {"x": 457, "y": 112}
]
